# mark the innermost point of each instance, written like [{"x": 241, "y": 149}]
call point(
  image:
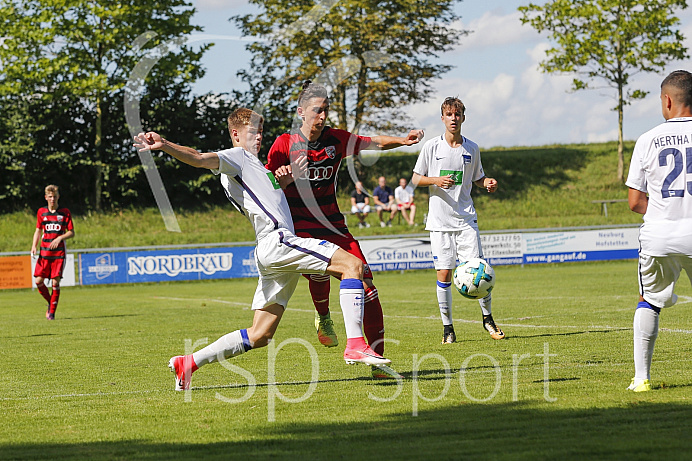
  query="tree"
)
[
  {"x": 610, "y": 40},
  {"x": 68, "y": 60},
  {"x": 373, "y": 57}
]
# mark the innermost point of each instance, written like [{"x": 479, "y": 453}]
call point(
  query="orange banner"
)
[{"x": 15, "y": 272}]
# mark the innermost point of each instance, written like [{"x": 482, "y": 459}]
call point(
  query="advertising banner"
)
[
  {"x": 15, "y": 272},
  {"x": 594, "y": 245},
  {"x": 167, "y": 265},
  {"x": 397, "y": 254}
]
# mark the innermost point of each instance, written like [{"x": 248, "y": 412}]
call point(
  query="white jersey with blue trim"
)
[
  {"x": 662, "y": 167},
  {"x": 451, "y": 208},
  {"x": 254, "y": 191}
]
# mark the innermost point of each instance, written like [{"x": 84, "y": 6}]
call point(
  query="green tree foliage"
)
[
  {"x": 63, "y": 69},
  {"x": 609, "y": 40},
  {"x": 374, "y": 57}
]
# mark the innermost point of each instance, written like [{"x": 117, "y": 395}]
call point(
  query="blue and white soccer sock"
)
[
  {"x": 351, "y": 295},
  {"x": 227, "y": 346},
  {"x": 645, "y": 333},
  {"x": 444, "y": 300},
  {"x": 485, "y": 304}
]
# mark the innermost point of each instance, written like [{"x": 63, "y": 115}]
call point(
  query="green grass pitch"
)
[{"x": 94, "y": 383}]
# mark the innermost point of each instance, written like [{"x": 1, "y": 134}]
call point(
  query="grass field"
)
[{"x": 94, "y": 383}]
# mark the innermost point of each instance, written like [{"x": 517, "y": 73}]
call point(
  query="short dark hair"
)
[
  {"x": 311, "y": 90},
  {"x": 453, "y": 103},
  {"x": 682, "y": 81}
]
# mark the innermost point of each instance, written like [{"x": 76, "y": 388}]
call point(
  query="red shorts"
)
[
  {"x": 346, "y": 242},
  {"x": 49, "y": 268}
]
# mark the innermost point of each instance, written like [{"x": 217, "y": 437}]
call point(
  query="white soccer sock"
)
[
  {"x": 444, "y": 300},
  {"x": 351, "y": 295},
  {"x": 227, "y": 346},
  {"x": 645, "y": 333},
  {"x": 485, "y": 304}
]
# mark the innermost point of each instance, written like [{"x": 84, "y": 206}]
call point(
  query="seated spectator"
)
[
  {"x": 384, "y": 201},
  {"x": 360, "y": 204},
  {"x": 404, "y": 201}
]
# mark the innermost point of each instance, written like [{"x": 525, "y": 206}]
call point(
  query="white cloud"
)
[{"x": 493, "y": 30}]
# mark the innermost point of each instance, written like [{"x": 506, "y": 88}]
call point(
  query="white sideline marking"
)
[{"x": 434, "y": 317}]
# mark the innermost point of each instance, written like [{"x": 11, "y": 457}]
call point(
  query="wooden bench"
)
[{"x": 606, "y": 202}]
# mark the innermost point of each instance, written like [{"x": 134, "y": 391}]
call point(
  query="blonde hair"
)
[
  {"x": 243, "y": 117},
  {"x": 52, "y": 189}
]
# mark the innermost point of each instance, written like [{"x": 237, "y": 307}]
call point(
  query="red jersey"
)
[
  {"x": 53, "y": 224},
  {"x": 314, "y": 209}
]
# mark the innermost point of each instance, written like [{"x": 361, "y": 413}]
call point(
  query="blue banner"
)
[{"x": 167, "y": 265}]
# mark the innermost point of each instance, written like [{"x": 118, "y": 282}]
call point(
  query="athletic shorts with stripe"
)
[
  {"x": 448, "y": 246},
  {"x": 658, "y": 276},
  {"x": 347, "y": 243},
  {"x": 281, "y": 257},
  {"x": 49, "y": 268}
]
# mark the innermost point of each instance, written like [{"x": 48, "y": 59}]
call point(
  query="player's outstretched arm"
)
[
  {"x": 154, "y": 141},
  {"x": 444, "y": 182},
  {"x": 392, "y": 142}
]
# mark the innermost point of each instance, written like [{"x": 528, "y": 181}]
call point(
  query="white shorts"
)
[
  {"x": 281, "y": 257},
  {"x": 450, "y": 246},
  {"x": 360, "y": 208},
  {"x": 658, "y": 275}
]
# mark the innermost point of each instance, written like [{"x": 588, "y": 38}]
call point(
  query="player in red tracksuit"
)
[
  {"x": 56, "y": 226},
  {"x": 313, "y": 201}
]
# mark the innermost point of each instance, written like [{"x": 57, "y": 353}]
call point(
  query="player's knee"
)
[
  {"x": 38, "y": 281},
  {"x": 355, "y": 268}
]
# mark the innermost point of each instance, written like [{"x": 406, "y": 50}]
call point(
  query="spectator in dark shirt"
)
[{"x": 360, "y": 204}]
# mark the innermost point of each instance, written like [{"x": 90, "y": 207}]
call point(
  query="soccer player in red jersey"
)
[
  {"x": 56, "y": 225},
  {"x": 313, "y": 201}
]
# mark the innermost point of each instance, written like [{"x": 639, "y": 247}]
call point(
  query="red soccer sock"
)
[
  {"x": 43, "y": 289},
  {"x": 319, "y": 290},
  {"x": 54, "y": 299},
  {"x": 373, "y": 321}
]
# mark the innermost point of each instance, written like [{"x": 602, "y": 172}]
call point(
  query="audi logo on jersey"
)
[
  {"x": 318, "y": 173},
  {"x": 50, "y": 227}
]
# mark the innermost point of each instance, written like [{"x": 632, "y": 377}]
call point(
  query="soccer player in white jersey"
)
[
  {"x": 450, "y": 164},
  {"x": 280, "y": 255},
  {"x": 662, "y": 168}
]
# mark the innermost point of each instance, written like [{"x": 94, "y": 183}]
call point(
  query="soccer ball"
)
[{"x": 474, "y": 278}]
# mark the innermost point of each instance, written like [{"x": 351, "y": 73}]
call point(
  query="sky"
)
[{"x": 509, "y": 101}]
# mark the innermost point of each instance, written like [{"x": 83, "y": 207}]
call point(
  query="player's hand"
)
[
  {"x": 284, "y": 175},
  {"x": 54, "y": 244},
  {"x": 490, "y": 185},
  {"x": 414, "y": 137},
  {"x": 445, "y": 182},
  {"x": 33, "y": 252},
  {"x": 299, "y": 166},
  {"x": 148, "y": 141}
]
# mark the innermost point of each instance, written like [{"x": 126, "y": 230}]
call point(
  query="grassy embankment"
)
[{"x": 540, "y": 187}]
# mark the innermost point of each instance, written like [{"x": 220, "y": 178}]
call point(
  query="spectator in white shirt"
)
[{"x": 404, "y": 201}]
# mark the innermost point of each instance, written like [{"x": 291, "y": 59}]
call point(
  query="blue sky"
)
[{"x": 509, "y": 101}]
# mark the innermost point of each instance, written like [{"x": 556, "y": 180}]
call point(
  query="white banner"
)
[{"x": 68, "y": 275}]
